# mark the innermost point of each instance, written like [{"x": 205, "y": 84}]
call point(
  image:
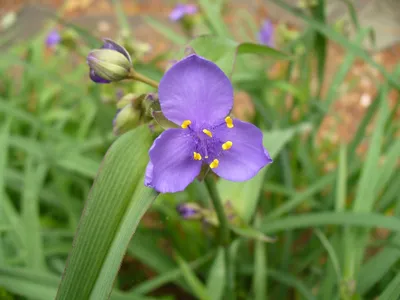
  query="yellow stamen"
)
[
  {"x": 208, "y": 132},
  {"x": 196, "y": 156},
  {"x": 214, "y": 164},
  {"x": 229, "y": 122},
  {"x": 186, "y": 123},
  {"x": 227, "y": 145}
]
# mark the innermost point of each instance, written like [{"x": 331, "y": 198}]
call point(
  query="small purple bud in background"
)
[
  {"x": 266, "y": 34},
  {"x": 182, "y": 10},
  {"x": 189, "y": 210},
  {"x": 53, "y": 38}
]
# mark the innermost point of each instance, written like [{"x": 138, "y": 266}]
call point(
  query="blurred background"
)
[{"x": 331, "y": 114}]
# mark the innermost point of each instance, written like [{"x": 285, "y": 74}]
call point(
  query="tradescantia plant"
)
[{"x": 195, "y": 99}]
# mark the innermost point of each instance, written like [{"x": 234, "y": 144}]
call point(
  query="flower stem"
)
[
  {"x": 140, "y": 77},
  {"x": 224, "y": 234}
]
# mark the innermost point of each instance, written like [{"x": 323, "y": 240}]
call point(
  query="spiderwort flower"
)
[
  {"x": 266, "y": 34},
  {"x": 53, "y": 38},
  {"x": 110, "y": 63},
  {"x": 196, "y": 95},
  {"x": 182, "y": 10}
]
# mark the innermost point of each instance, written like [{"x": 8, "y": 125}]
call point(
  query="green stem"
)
[
  {"x": 140, "y": 77},
  {"x": 224, "y": 234}
]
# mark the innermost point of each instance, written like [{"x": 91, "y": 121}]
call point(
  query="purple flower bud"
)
[
  {"x": 53, "y": 38},
  {"x": 266, "y": 34},
  {"x": 182, "y": 10},
  {"x": 189, "y": 210},
  {"x": 110, "y": 63}
]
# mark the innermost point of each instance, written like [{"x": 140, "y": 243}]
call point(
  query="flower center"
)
[{"x": 207, "y": 145}]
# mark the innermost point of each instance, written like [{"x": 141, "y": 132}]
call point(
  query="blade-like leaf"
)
[
  {"x": 116, "y": 203},
  {"x": 367, "y": 220}
]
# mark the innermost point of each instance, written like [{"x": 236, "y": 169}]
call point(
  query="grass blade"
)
[
  {"x": 392, "y": 291},
  {"x": 367, "y": 220},
  {"x": 196, "y": 285}
]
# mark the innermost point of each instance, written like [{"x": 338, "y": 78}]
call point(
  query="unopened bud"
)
[
  {"x": 126, "y": 119},
  {"x": 109, "y": 64}
]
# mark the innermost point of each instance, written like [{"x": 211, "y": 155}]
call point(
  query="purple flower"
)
[
  {"x": 266, "y": 34},
  {"x": 53, "y": 38},
  {"x": 182, "y": 10},
  {"x": 197, "y": 95},
  {"x": 107, "y": 66}
]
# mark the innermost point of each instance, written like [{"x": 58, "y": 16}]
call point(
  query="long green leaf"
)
[
  {"x": 116, "y": 203},
  {"x": 41, "y": 286},
  {"x": 216, "y": 277},
  {"x": 368, "y": 220},
  {"x": 4, "y": 135},
  {"x": 192, "y": 280},
  {"x": 392, "y": 291}
]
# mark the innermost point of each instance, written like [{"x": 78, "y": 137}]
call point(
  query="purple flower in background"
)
[
  {"x": 197, "y": 95},
  {"x": 182, "y": 10},
  {"x": 53, "y": 38},
  {"x": 266, "y": 34},
  {"x": 110, "y": 63}
]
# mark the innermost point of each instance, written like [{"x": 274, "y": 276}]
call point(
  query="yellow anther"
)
[
  {"x": 208, "y": 132},
  {"x": 186, "y": 123},
  {"x": 229, "y": 122},
  {"x": 196, "y": 156},
  {"x": 227, "y": 145},
  {"x": 214, "y": 164}
]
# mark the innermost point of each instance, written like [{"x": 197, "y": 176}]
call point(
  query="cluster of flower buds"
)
[{"x": 132, "y": 110}]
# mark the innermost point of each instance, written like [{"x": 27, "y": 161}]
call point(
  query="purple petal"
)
[
  {"x": 195, "y": 89},
  {"x": 149, "y": 174},
  {"x": 172, "y": 167},
  {"x": 266, "y": 34},
  {"x": 178, "y": 12},
  {"x": 190, "y": 9},
  {"x": 110, "y": 44},
  {"x": 247, "y": 155},
  {"x": 96, "y": 78},
  {"x": 53, "y": 38}
]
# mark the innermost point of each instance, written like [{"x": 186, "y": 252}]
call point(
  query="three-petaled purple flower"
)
[
  {"x": 182, "y": 10},
  {"x": 266, "y": 34},
  {"x": 197, "y": 95},
  {"x": 53, "y": 38}
]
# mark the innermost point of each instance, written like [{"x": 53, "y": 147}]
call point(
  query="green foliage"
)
[{"x": 70, "y": 188}]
